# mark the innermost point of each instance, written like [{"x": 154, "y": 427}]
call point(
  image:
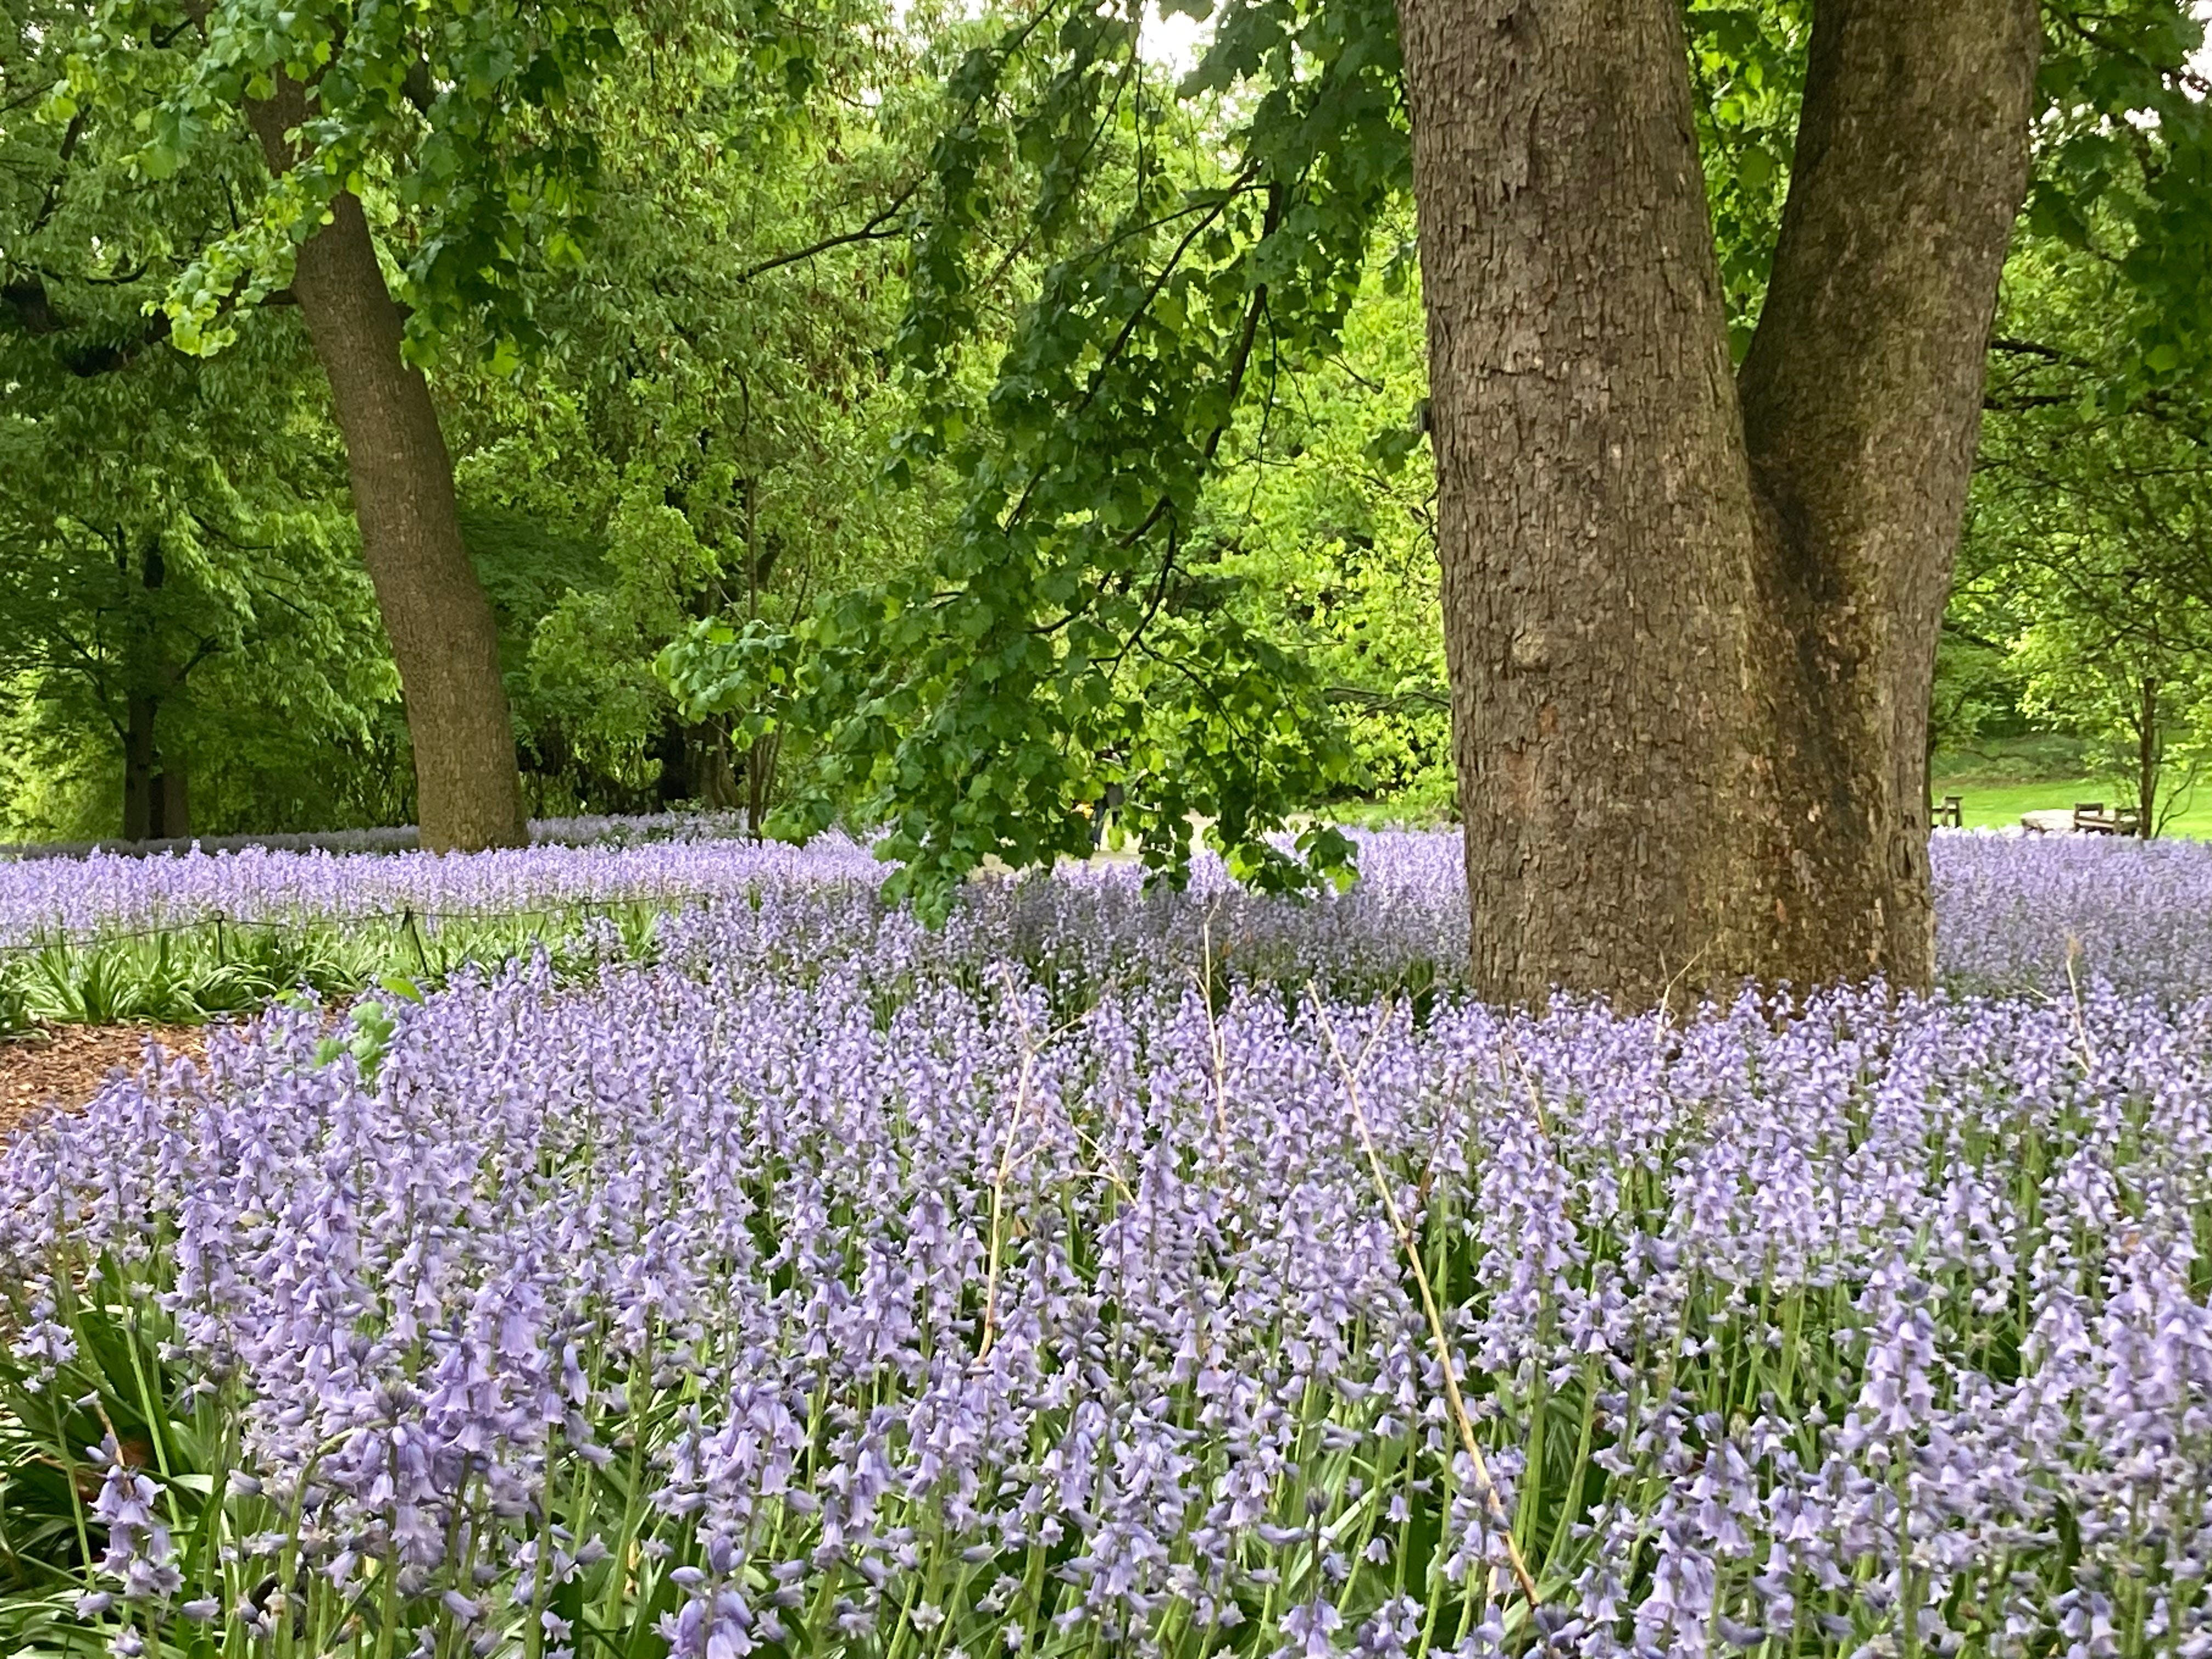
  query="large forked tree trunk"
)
[
  {"x": 1691, "y": 615},
  {"x": 444, "y": 637}
]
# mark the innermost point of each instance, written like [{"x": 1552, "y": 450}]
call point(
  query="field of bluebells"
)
[
  {"x": 1113, "y": 1273},
  {"x": 183, "y": 939}
]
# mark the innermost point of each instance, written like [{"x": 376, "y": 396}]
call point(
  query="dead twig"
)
[{"x": 1405, "y": 1241}]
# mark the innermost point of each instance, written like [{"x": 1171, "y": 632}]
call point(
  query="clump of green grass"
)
[{"x": 188, "y": 975}]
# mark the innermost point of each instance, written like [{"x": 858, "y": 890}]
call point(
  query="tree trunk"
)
[
  {"x": 138, "y": 763},
  {"x": 760, "y": 758},
  {"x": 760, "y": 782},
  {"x": 2150, "y": 752},
  {"x": 444, "y": 637},
  {"x": 172, "y": 813},
  {"x": 156, "y": 803},
  {"x": 713, "y": 768},
  {"x": 154, "y": 806},
  {"x": 1690, "y": 616}
]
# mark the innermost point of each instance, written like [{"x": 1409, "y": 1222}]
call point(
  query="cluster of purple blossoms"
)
[
  {"x": 140, "y": 1555},
  {"x": 2018, "y": 913},
  {"x": 832, "y": 1286},
  {"x": 2013, "y": 913},
  {"x": 106, "y": 892}
]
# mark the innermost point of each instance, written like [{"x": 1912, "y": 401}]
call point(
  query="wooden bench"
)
[
  {"x": 1950, "y": 813},
  {"x": 2090, "y": 819}
]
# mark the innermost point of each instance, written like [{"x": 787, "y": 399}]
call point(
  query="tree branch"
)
[
  {"x": 70, "y": 135},
  {"x": 878, "y": 230},
  {"x": 1383, "y": 703},
  {"x": 1863, "y": 385},
  {"x": 27, "y": 307}
]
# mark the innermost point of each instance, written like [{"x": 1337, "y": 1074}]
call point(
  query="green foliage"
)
[
  {"x": 1188, "y": 317},
  {"x": 452, "y": 121},
  {"x": 1747, "y": 66},
  {"x": 187, "y": 974},
  {"x": 172, "y": 533},
  {"x": 2083, "y": 596},
  {"x": 2124, "y": 178},
  {"x": 968, "y": 423},
  {"x": 1058, "y": 645},
  {"x": 288, "y": 717},
  {"x": 1322, "y": 518},
  {"x": 2108, "y": 625},
  {"x": 1976, "y": 690},
  {"x": 712, "y": 412},
  {"x": 2147, "y": 711},
  {"x": 133, "y": 571},
  {"x": 15, "y": 1017},
  {"x": 371, "y": 1025}
]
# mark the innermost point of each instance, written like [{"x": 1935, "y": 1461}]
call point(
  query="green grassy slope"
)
[{"x": 1989, "y": 803}]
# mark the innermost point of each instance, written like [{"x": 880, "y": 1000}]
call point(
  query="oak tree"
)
[
  {"x": 416, "y": 172},
  {"x": 180, "y": 603}
]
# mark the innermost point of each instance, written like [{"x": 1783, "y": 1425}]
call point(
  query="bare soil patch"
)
[{"x": 65, "y": 1065}]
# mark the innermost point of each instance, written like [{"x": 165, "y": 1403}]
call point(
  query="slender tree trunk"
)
[
  {"x": 713, "y": 768},
  {"x": 153, "y": 797},
  {"x": 444, "y": 637},
  {"x": 2150, "y": 752},
  {"x": 138, "y": 762},
  {"x": 1690, "y": 616},
  {"x": 760, "y": 782},
  {"x": 759, "y": 759}
]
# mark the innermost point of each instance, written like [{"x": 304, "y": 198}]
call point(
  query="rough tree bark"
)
[
  {"x": 1691, "y": 615},
  {"x": 444, "y": 637}
]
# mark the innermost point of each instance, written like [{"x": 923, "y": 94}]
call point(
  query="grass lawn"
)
[
  {"x": 1997, "y": 780},
  {"x": 1995, "y": 803}
]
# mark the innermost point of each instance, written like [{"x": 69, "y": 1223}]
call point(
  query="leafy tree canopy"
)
[
  {"x": 449, "y": 118},
  {"x": 1205, "y": 242}
]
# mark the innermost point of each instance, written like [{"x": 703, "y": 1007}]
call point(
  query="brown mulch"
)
[{"x": 65, "y": 1065}]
